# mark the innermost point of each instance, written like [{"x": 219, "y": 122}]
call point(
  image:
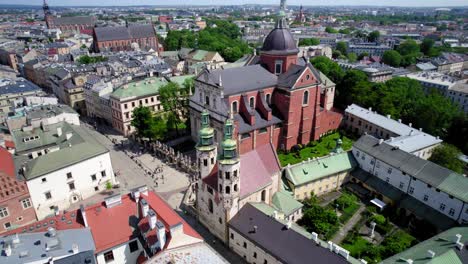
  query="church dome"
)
[{"x": 280, "y": 41}]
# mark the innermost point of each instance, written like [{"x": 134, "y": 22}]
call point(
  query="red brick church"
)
[{"x": 276, "y": 97}]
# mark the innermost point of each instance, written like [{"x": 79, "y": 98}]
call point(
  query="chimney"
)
[
  {"x": 161, "y": 232},
  {"x": 409, "y": 261},
  {"x": 370, "y": 108},
  {"x": 315, "y": 237},
  {"x": 410, "y": 124},
  {"x": 59, "y": 131},
  {"x": 330, "y": 245},
  {"x": 457, "y": 238},
  {"x": 420, "y": 129},
  {"x": 83, "y": 215},
  {"x": 288, "y": 224},
  {"x": 430, "y": 254},
  {"x": 69, "y": 135},
  {"x": 255, "y": 229},
  {"x": 399, "y": 120},
  {"x": 152, "y": 219},
  {"x": 275, "y": 214},
  {"x": 381, "y": 141},
  {"x": 391, "y": 139},
  {"x": 144, "y": 207},
  {"x": 75, "y": 248},
  {"x": 363, "y": 261},
  {"x": 411, "y": 132},
  {"x": 7, "y": 250},
  {"x": 388, "y": 116},
  {"x": 51, "y": 232}
]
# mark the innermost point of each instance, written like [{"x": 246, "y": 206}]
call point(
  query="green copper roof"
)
[
  {"x": 285, "y": 203},
  {"x": 146, "y": 87},
  {"x": 312, "y": 170},
  {"x": 181, "y": 79},
  {"x": 229, "y": 144},
  {"x": 81, "y": 146},
  {"x": 442, "y": 245}
]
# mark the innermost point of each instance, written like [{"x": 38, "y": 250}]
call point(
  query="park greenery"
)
[
  {"x": 319, "y": 148},
  {"x": 85, "y": 59},
  {"x": 309, "y": 42},
  {"x": 322, "y": 220},
  {"x": 174, "y": 99},
  {"x": 400, "y": 97},
  {"x": 220, "y": 35},
  {"x": 446, "y": 155},
  {"x": 348, "y": 204}
]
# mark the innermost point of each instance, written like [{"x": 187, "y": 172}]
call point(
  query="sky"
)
[{"x": 414, "y": 3}]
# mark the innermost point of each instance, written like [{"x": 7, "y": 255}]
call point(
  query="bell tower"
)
[
  {"x": 206, "y": 148},
  {"x": 47, "y": 15},
  {"x": 229, "y": 172}
]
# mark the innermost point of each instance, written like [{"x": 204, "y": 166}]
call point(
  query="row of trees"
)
[
  {"x": 220, "y": 35},
  {"x": 400, "y": 97},
  {"x": 174, "y": 99}
]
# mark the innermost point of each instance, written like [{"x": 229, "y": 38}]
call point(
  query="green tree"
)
[
  {"x": 457, "y": 133},
  {"x": 352, "y": 57},
  {"x": 309, "y": 42},
  {"x": 392, "y": 58},
  {"x": 330, "y": 30},
  {"x": 345, "y": 31},
  {"x": 174, "y": 101},
  {"x": 408, "y": 47},
  {"x": 373, "y": 36},
  {"x": 342, "y": 47},
  {"x": 446, "y": 155},
  {"x": 318, "y": 219},
  {"x": 143, "y": 121},
  {"x": 362, "y": 55},
  {"x": 328, "y": 67},
  {"x": 426, "y": 45}
]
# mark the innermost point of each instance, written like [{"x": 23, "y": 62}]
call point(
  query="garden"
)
[
  {"x": 327, "y": 220},
  {"x": 374, "y": 246},
  {"x": 319, "y": 148}
]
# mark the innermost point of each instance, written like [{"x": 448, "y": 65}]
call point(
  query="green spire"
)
[
  {"x": 229, "y": 144},
  {"x": 206, "y": 133}
]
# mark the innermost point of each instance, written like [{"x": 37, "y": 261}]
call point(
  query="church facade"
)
[{"x": 276, "y": 97}]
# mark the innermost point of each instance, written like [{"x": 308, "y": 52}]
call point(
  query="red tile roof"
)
[
  {"x": 111, "y": 226},
  {"x": 7, "y": 165},
  {"x": 9, "y": 144},
  {"x": 257, "y": 166}
]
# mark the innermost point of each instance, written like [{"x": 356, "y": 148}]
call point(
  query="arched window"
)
[
  {"x": 305, "y": 99},
  {"x": 252, "y": 102},
  {"x": 234, "y": 107},
  {"x": 228, "y": 190},
  {"x": 268, "y": 98},
  {"x": 207, "y": 100},
  {"x": 210, "y": 205},
  {"x": 263, "y": 195},
  {"x": 235, "y": 187},
  {"x": 220, "y": 188}
]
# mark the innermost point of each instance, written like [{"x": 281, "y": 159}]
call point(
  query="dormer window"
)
[
  {"x": 278, "y": 67},
  {"x": 252, "y": 102},
  {"x": 234, "y": 107}
]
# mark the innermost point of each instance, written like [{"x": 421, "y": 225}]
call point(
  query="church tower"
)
[
  {"x": 229, "y": 174},
  {"x": 279, "y": 49},
  {"x": 206, "y": 149},
  {"x": 47, "y": 15}
]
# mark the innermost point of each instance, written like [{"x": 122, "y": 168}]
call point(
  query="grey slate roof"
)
[
  {"x": 289, "y": 78},
  {"x": 122, "y": 33},
  {"x": 85, "y": 257},
  {"x": 239, "y": 80},
  {"x": 33, "y": 245},
  {"x": 19, "y": 86},
  {"x": 437, "y": 176},
  {"x": 287, "y": 245},
  {"x": 76, "y": 20},
  {"x": 244, "y": 127}
]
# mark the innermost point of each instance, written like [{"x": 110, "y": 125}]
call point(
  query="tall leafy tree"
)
[
  {"x": 174, "y": 101},
  {"x": 392, "y": 58},
  {"x": 328, "y": 67},
  {"x": 373, "y": 36},
  {"x": 446, "y": 155},
  {"x": 147, "y": 125},
  {"x": 342, "y": 47}
]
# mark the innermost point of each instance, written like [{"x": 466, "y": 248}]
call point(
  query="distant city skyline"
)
[{"x": 403, "y": 3}]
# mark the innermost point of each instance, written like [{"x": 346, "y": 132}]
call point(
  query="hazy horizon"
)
[{"x": 400, "y": 3}]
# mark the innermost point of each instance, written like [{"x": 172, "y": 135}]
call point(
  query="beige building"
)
[
  {"x": 211, "y": 58},
  {"x": 319, "y": 176},
  {"x": 132, "y": 95}
]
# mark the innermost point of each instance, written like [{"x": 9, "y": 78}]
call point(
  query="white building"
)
[
  {"x": 97, "y": 100},
  {"x": 458, "y": 94},
  {"x": 436, "y": 80},
  {"x": 433, "y": 185},
  {"x": 62, "y": 164},
  {"x": 365, "y": 121}
]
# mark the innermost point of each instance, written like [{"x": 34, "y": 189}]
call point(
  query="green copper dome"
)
[
  {"x": 229, "y": 145},
  {"x": 206, "y": 132}
]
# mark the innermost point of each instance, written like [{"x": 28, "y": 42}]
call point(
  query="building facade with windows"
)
[
  {"x": 319, "y": 175},
  {"x": 15, "y": 202},
  {"x": 360, "y": 121},
  {"x": 132, "y": 95},
  {"x": 62, "y": 164},
  {"x": 433, "y": 185},
  {"x": 276, "y": 97}
]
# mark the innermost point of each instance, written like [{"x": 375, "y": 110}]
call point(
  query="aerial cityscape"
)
[{"x": 233, "y": 132}]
